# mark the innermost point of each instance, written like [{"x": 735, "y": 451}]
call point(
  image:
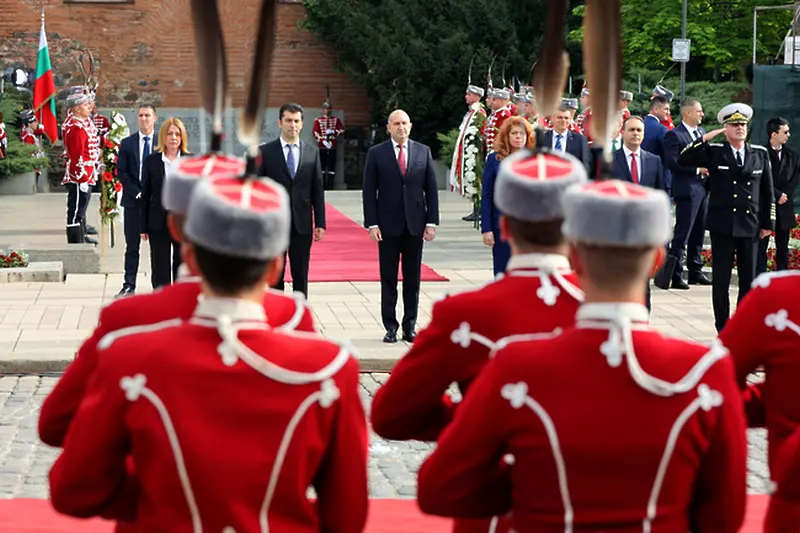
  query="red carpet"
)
[
  {"x": 347, "y": 254},
  {"x": 385, "y": 516}
]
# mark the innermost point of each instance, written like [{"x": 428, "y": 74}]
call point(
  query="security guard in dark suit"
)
[{"x": 741, "y": 202}]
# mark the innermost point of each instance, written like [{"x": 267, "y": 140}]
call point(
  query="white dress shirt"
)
[
  {"x": 740, "y": 152},
  {"x": 141, "y": 151},
  {"x": 563, "y": 140},
  {"x": 628, "y": 159},
  {"x": 694, "y": 133},
  {"x": 295, "y": 148},
  {"x": 397, "y": 151},
  {"x": 168, "y": 164}
]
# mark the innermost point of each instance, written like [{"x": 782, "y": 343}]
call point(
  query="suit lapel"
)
[
  {"x": 748, "y": 158},
  {"x": 729, "y": 158},
  {"x": 278, "y": 155},
  {"x": 390, "y": 149},
  {"x": 622, "y": 163},
  {"x": 136, "y": 153}
]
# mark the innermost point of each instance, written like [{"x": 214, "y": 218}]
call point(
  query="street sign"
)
[{"x": 681, "y": 50}]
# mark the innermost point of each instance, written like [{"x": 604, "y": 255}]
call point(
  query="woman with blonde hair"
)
[
  {"x": 515, "y": 134},
  {"x": 165, "y": 253}
]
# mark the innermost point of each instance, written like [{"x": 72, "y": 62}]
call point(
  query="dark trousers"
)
[
  {"x": 77, "y": 202},
  {"x": 405, "y": 250},
  {"x": 723, "y": 250},
  {"x": 690, "y": 231},
  {"x": 165, "y": 257},
  {"x": 327, "y": 160},
  {"x": 133, "y": 241},
  {"x": 781, "y": 252},
  {"x": 299, "y": 253},
  {"x": 501, "y": 253}
]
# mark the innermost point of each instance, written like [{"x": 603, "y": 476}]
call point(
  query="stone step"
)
[
  {"x": 35, "y": 272},
  {"x": 76, "y": 258}
]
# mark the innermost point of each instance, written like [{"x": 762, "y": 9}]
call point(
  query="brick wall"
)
[{"x": 144, "y": 52}]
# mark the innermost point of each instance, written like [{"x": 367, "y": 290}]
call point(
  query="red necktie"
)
[
  {"x": 401, "y": 159},
  {"x": 634, "y": 169}
]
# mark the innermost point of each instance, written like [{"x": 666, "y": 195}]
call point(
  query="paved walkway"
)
[{"x": 42, "y": 324}]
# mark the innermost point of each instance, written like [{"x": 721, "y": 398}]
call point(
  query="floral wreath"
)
[
  {"x": 473, "y": 162},
  {"x": 111, "y": 187}
]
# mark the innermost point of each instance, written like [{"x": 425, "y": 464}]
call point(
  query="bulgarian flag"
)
[{"x": 44, "y": 91}]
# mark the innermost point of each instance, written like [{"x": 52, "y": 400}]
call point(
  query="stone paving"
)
[
  {"x": 42, "y": 324},
  {"x": 25, "y": 462}
]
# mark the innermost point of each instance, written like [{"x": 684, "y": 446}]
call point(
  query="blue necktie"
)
[
  {"x": 290, "y": 160},
  {"x": 146, "y": 150},
  {"x": 696, "y": 134},
  {"x": 559, "y": 147}
]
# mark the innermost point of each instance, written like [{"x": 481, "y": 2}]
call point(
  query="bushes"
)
[{"x": 18, "y": 159}]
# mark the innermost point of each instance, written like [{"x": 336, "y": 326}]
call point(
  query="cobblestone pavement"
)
[{"x": 24, "y": 461}]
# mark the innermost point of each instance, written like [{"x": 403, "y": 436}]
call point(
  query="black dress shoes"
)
[
  {"x": 89, "y": 240},
  {"x": 391, "y": 336},
  {"x": 698, "y": 278},
  {"x": 91, "y": 230},
  {"x": 126, "y": 291},
  {"x": 678, "y": 283},
  {"x": 409, "y": 336}
]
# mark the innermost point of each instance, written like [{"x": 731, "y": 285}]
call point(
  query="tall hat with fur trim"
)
[
  {"x": 246, "y": 218},
  {"x": 660, "y": 90},
  {"x": 78, "y": 98},
  {"x": 617, "y": 214},
  {"x": 185, "y": 175},
  {"x": 530, "y": 185},
  {"x": 626, "y": 95},
  {"x": 569, "y": 103},
  {"x": 27, "y": 116},
  {"x": 473, "y": 89}
]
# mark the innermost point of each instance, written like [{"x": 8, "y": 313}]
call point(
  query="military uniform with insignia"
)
[
  {"x": 501, "y": 110},
  {"x": 741, "y": 202}
]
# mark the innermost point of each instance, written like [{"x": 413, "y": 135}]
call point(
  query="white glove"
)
[
  {"x": 327, "y": 144},
  {"x": 83, "y": 187},
  {"x": 329, "y": 132}
]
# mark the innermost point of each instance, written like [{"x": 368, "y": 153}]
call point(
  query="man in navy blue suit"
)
[
  {"x": 632, "y": 163},
  {"x": 132, "y": 152},
  {"x": 401, "y": 211},
  {"x": 654, "y": 132},
  {"x": 691, "y": 204},
  {"x": 562, "y": 139}
]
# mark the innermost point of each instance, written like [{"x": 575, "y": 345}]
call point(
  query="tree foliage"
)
[
  {"x": 720, "y": 30},
  {"x": 415, "y": 54}
]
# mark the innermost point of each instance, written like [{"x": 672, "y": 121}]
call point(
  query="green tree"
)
[
  {"x": 415, "y": 54},
  {"x": 721, "y": 33}
]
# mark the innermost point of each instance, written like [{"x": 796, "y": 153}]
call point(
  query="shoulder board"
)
[
  {"x": 716, "y": 144},
  {"x": 109, "y": 339},
  {"x": 763, "y": 280},
  {"x": 692, "y": 145},
  {"x": 758, "y": 147}
]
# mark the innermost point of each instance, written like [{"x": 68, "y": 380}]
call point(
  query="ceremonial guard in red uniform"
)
[
  {"x": 3, "y": 138},
  {"x": 625, "y": 99},
  {"x": 326, "y": 129},
  {"x": 660, "y": 90},
  {"x": 609, "y": 426},
  {"x": 32, "y": 131},
  {"x": 501, "y": 110},
  {"x": 783, "y": 513},
  {"x": 583, "y": 118},
  {"x": 227, "y": 421},
  {"x": 524, "y": 106},
  {"x": 177, "y": 301},
  {"x": 765, "y": 332},
  {"x": 537, "y": 296},
  {"x": 82, "y": 148}
]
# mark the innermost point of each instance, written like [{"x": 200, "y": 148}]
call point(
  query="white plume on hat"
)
[
  {"x": 530, "y": 185},
  {"x": 240, "y": 217},
  {"x": 184, "y": 175},
  {"x": 617, "y": 213}
]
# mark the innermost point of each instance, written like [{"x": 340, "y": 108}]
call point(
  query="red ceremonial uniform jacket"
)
[
  {"x": 327, "y": 128},
  {"x": 668, "y": 122},
  {"x": 174, "y": 301},
  {"x": 492, "y": 126},
  {"x": 537, "y": 295},
  {"x": 82, "y": 148},
  {"x": 228, "y": 423},
  {"x": 584, "y": 121},
  {"x": 765, "y": 331},
  {"x": 611, "y": 427},
  {"x": 783, "y": 513},
  {"x": 3, "y": 139},
  {"x": 31, "y": 137}
]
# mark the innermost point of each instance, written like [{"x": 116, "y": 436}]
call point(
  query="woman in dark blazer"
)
[
  {"x": 515, "y": 133},
  {"x": 165, "y": 252}
]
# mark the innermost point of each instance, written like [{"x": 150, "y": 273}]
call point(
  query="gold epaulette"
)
[{"x": 692, "y": 144}]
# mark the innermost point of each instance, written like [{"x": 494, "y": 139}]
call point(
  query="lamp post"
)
[{"x": 683, "y": 63}]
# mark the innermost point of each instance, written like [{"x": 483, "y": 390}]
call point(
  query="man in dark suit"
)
[
  {"x": 741, "y": 204},
  {"x": 691, "y": 203},
  {"x": 132, "y": 152},
  {"x": 562, "y": 139},
  {"x": 654, "y": 132},
  {"x": 295, "y": 165},
  {"x": 401, "y": 210},
  {"x": 785, "y": 175},
  {"x": 632, "y": 163}
]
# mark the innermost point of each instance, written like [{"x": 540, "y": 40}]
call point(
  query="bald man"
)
[{"x": 401, "y": 211}]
